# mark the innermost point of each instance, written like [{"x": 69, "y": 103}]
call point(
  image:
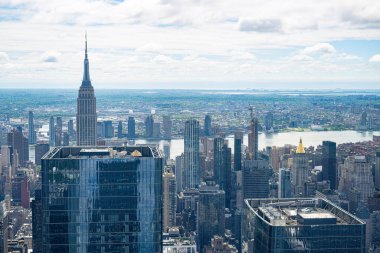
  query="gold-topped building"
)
[{"x": 300, "y": 148}]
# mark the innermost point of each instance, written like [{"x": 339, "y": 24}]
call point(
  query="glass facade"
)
[
  {"x": 260, "y": 235},
  {"x": 102, "y": 203}
]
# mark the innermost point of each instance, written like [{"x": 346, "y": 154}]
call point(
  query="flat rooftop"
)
[
  {"x": 103, "y": 152},
  {"x": 300, "y": 212}
]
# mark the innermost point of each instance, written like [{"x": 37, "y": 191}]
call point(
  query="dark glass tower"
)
[
  {"x": 86, "y": 109},
  {"x": 191, "y": 155},
  {"x": 237, "y": 147},
  {"x": 131, "y": 127},
  {"x": 102, "y": 200},
  {"x": 207, "y": 125},
  {"x": 32, "y": 133},
  {"x": 329, "y": 171}
]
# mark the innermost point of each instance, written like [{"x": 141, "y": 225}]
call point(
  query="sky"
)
[{"x": 191, "y": 44}]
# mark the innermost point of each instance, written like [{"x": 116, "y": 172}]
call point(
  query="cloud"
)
[
  {"x": 320, "y": 48},
  {"x": 375, "y": 58},
  {"x": 150, "y": 48},
  {"x": 4, "y": 58},
  {"x": 260, "y": 25},
  {"x": 50, "y": 56}
]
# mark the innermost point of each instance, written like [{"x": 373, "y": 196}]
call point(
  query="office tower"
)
[
  {"x": 284, "y": 184},
  {"x": 20, "y": 190},
  {"x": 70, "y": 128},
  {"x": 191, "y": 170},
  {"x": 275, "y": 158},
  {"x": 210, "y": 218},
  {"x": 253, "y": 137},
  {"x": 105, "y": 199},
  {"x": 86, "y": 109},
  {"x": 256, "y": 175},
  {"x": 179, "y": 167},
  {"x": 65, "y": 139},
  {"x": 5, "y": 223},
  {"x": 120, "y": 130},
  {"x": 58, "y": 132},
  {"x": 20, "y": 146},
  {"x": 167, "y": 127},
  {"x": 36, "y": 206},
  {"x": 377, "y": 171},
  {"x": 356, "y": 181},
  {"x": 131, "y": 127},
  {"x": 300, "y": 225},
  {"x": 373, "y": 224},
  {"x": 269, "y": 121},
  {"x": 32, "y": 133},
  {"x": 51, "y": 132},
  {"x": 149, "y": 122},
  {"x": 329, "y": 171},
  {"x": 300, "y": 171},
  {"x": 218, "y": 162},
  {"x": 167, "y": 152},
  {"x": 207, "y": 125},
  {"x": 40, "y": 150},
  {"x": 156, "y": 130},
  {"x": 108, "y": 129},
  {"x": 227, "y": 174},
  {"x": 100, "y": 130},
  {"x": 169, "y": 201},
  {"x": 238, "y": 142}
]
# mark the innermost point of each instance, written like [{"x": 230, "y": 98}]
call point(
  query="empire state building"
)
[{"x": 86, "y": 109}]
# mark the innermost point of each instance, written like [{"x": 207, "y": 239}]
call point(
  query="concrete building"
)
[
  {"x": 300, "y": 170},
  {"x": 169, "y": 202}
]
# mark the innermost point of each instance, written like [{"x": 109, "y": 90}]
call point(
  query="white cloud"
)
[
  {"x": 259, "y": 25},
  {"x": 375, "y": 58},
  {"x": 50, "y": 56},
  {"x": 207, "y": 40},
  {"x": 4, "y": 58},
  {"x": 320, "y": 48}
]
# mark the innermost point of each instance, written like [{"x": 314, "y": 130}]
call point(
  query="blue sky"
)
[{"x": 203, "y": 44}]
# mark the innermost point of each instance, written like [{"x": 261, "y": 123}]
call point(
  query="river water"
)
[{"x": 278, "y": 139}]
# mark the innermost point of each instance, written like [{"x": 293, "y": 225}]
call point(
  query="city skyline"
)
[{"x": 247, "y": 44}]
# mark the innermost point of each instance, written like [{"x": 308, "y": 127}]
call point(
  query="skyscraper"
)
[
  {"x": 210, "y": 218},
  {"x": 329, "y": 171},
  {"x": 218, "y": 162},
  {"x": 40, "y": 150},
  {"x": 149, "y": 123},
  {"x": 108, "y": 129},
  {"x": 207, "y": 125},
  {"x": 269, "y": 121},
  {"x": 58, "y": 132},
  {"x": 256, "y": 175},
  {"x": 253, "y": 137},
  {"x": 70, "y": 128},
  {"x": 131, "y": 127},
  {"x": 300, "y": 225},
  {"x": 86, "y": 109},
  {"x": 284, "y": 184},
  {"x": 102, "y": 199},
  {"x": 300, "y": 171},
  {"x": 19, "y": 144},
  {"x": 238, "y": 142},
  {"x": 191, "y": 155},
  {"x": 51, "y": 132},
  {"x": 167, "y": 126},
  {"x": 120, "y": 130},
  {"x": 32, "y": 132},
  {"x": 377, "y": 171},
  {"x": 169, "y": 201}
]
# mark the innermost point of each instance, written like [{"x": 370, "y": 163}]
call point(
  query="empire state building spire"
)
[
  {"x": 86, "y": 72},
  {"x": 86, "y": 108}
]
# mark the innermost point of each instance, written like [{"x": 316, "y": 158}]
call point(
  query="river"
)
[{"x": 279, "y": 139}]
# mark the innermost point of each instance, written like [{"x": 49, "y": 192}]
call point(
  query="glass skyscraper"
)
[
  {"x": 191, "y": 155},
  {"x": 300, "y": 225},
  {"x": 102, "y": 200}
]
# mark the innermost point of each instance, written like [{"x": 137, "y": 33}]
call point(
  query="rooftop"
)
[
  {"x": 300, "y": 212},
  {"x": 103, "y": 152}
]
